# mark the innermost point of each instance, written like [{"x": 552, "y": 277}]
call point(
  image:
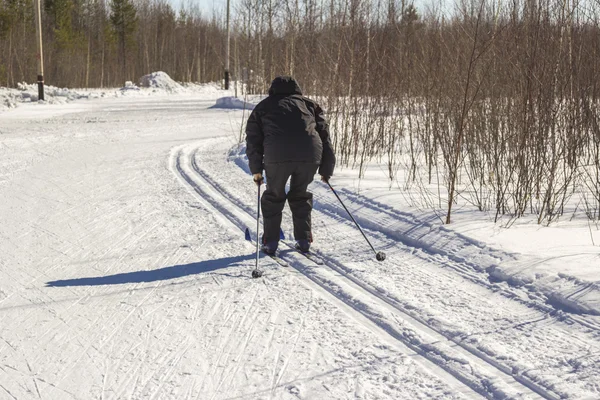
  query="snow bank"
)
[
  {"x": 130, "y": 86},
  {"x": 160, "y": 80},
  {"x": 28, "y": 93},
  {"x": 233, "y": 103},
  {"x": 152, "y": 84}
]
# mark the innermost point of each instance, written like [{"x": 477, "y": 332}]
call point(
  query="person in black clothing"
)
[{"x": 287, "y": 136}]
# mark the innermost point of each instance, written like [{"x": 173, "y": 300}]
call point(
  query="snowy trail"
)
[
  {"x": 387, "y": 313},
  {"x": 524, "y": 336},
  {"x": 116, "y": 283},
  {"x": 362, "y": 309}
]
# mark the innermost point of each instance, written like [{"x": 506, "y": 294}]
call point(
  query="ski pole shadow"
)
[{"x": 161, "y": 274}]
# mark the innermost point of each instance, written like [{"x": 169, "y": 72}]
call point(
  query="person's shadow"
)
[{"x": 161, "y": 274}]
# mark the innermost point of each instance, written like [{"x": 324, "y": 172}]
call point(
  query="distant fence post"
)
[
  {"x": 40, "y": 55},
  {"x": 227, "y": 55}
]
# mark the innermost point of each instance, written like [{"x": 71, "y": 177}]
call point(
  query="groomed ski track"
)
[
  {"x": 120, "y": 279},
  {"x": 365, "y": 303}
]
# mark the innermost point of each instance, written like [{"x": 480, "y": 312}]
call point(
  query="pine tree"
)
[
  {"x": 61, "y": 12},
  {"x": 123, "y": 18}
]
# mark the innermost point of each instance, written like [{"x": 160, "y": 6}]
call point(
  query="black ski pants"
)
[{"x": 299, "y": 199}]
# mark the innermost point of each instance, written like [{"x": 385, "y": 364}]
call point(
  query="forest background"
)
[{"x": 491, "y": 102}]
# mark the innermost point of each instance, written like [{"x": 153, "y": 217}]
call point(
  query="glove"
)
[
  {"x": 258, "y": 178},
  {"x": 325, "y": 178}
]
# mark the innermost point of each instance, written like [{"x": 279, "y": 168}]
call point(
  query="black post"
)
[
  {"x": 40, "y": 87},
  {"x": 40, "y": 48},
  {"x": 226, "y": 80}
]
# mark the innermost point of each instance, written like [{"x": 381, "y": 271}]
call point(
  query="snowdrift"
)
[
  {"x": 160, "y": 80},
  {"x": 28, "y": 93},
  {"x": 233, "y": 103},
  {"x": 151, "y": 84}
]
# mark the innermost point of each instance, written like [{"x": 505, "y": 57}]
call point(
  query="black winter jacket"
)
[{"x": 288, "y": 127}]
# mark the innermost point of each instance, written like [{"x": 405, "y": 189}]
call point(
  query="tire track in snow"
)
[{"x": 367, "y": 304}]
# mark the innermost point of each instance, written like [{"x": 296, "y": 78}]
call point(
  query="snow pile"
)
[
  {"x": 130, "y": 86},
  {"x": 160, "y": 80},
  {"x": 233, "y": 103},
  {"x": 28, "y": 93},
  {"x": 155, "y": 83},
  {"x": 211, "y": 87}
]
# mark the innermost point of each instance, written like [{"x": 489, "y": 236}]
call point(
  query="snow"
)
[
  {"x": 233, "y": 103},
  {"x": 125, "y": 273},
  {"x": 160, "y": 80},
  {"x": 558, "y": 261},
  {"x": 157, "y": 83}
]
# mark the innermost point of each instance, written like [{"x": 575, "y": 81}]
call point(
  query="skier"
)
[{"x": 287, "y": 136}]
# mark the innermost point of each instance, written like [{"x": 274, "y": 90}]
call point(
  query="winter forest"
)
[
  {"x": 451, "y": 254},
  {"x": 493, "y": 102}
]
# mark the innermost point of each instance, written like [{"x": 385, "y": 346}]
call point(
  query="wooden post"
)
[
  {"x": 40, "y": 55},
  {"x": 227, "y": 55}
]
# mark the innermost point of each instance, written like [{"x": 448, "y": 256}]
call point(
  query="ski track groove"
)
[
  {"x": 526, "y": 383},
  {"x": 173, "y": 362},
  {"x": 37, "y": 389},
  {"x": 91, "y": 342},
  {"x": 232, "y": 222},
  {"x": 447, "y": 260},
  {"x": 247, "y": 336},
  {"x": 457, "y": 263},
  {"x": 277, "y": 357},
  {"x": 159, "y": 334},
  {"x": 544, "y": 392},
  {"x": 463, "y": 267},
  {"x": 224, "y": 343},
  {"x": 162, "y": 359},
  {"x": 8, "y": 392},
  {"x": 92, "y": 291},
  {"x": 66, "y": 370},
  {"x": 104, "y": 377}
]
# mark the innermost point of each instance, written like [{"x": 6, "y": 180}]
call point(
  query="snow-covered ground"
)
[
  {"x": 157, "y": 83},
  {"x": 125, "y": 274}
]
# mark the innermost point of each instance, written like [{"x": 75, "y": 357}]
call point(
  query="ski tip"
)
[{"x": 247, "y": 234}]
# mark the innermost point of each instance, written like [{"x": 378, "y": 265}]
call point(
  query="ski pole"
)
[
  {"x": 379, "y": 255},
  {"x": 257, "y": 273}
]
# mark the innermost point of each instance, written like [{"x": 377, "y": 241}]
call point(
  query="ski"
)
[
  {"x": 278, "y": 260},
  {"x": 275, "y": 257},
  {"x": 312, "y": 257},
  {"x": 308, "y": 254}
]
